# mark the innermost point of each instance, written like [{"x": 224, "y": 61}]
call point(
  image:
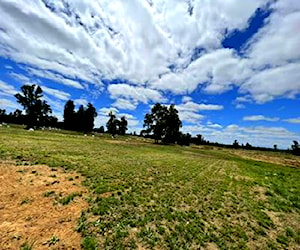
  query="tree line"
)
[{"x": 162, "y": 123}]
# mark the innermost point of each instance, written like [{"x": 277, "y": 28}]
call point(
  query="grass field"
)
[{"x": 146, "y": 196}]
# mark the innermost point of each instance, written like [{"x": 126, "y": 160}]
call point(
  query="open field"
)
[{"x": 146, "y": 196}]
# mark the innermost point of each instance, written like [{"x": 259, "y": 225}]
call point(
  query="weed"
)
[
  {"x": 66, "y": 200},
  {"x": 26, "y": 200},
  {"x": 89, "y": 243},
  {"x": 49, "y": 193},
  {"x": 52, "y": 241},
  {"x": 27, "y": 246}
]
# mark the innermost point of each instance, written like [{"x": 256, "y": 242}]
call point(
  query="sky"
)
[{"x": 231, "y": 67}]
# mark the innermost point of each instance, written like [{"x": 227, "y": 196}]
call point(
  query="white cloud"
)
[
  {"x": 189, "y": 111},
  {"x": 273, "y": 83},
  {"x": 277, "y": 43},
  {"x": 214, "y": 125},
  {"x": 56, "y": 93},
  {"x": 192, "y": 106},
  {"x": 133, "y": 94},
  {"x": 56, "y": 105},
  {"x": 187, "y": 99},
  {"x": 116, "y": 39},
  {"x": 125, "y": 104},
  {"x": 105, "y": 111},
  {"x": 7, "y": 89},
  {"x": 55, "y": 77},
  {"x": 80, "y": 102},
  {"x": 9, "y": 104},
  {"x": 293, "y": 120},
  {"x": 260, "y": 118}
]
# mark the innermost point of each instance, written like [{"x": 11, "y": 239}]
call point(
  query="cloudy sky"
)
[{"x": 231, "y": 67}]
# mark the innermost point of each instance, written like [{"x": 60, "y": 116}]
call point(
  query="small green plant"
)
[
  {"x": 49, "y": 193},
  {"x": 81, "y": 227},
  {"x": 25, "y": 201},
  {"x": 89, "y": 243},
  {"x": 27, "y": 246},
  {"x": 52, "y": 241},
  {"x": 66, "y": 200}
]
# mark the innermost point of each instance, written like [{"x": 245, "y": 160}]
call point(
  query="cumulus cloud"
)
[
  {"x": 133, "y": 95},
  {"x": 282, "y": 81},
  {"x": 277, "y": 39},
  {"x": 189, "y": 111},
  {"x": 260, "y": 118},
  {"x": 89, "y": 40}
]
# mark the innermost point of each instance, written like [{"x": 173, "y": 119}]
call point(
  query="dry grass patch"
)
[{"x": 29, "y": 211}]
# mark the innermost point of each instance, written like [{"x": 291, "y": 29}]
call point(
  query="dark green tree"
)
[
  {"x": 80, "y": 119},
  {"x": 36, "y": 109},
  {"x": 90, "y": 115},
  {"x": 173, "y": 124},
  {"x": 296, "y": 148},
  {"x": 3, "y": 115},
  {"x": 122, "y": 126},
  {"x": 199, "y": 139},
  {"x": 69, "y": 115},
  {"x": 184, "y": 139},
  {"x": 163, "y": 123},
  {"x": 156, "y": 122},
  {"x": 235, "y": 144},
  {"x": 112, "y": 124}
]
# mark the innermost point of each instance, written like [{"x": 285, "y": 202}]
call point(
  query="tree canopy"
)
[
  {"x": 163, "y": 123},
  {"x": 115, "y": 126},
  {"x": 36, "y": 109},
  {"x": 82, "y": 120}
]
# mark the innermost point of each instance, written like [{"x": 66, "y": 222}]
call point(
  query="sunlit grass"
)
[{"x": 170, "y": 197}]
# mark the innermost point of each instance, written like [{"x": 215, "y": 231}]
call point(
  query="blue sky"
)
[{"x": 231, "y": 68}]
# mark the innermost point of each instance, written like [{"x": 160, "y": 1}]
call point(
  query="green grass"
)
[
  {"x": 69, "y": 198},
  {"x": 168, "y": 197}
]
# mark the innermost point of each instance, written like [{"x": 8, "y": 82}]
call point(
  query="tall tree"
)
[
  {"x": 112, "y": 124},
  {"x": 123, "y": 125},
  {"x": 90, "y": 115},
  {"x": 163, "y": 123},
  {"x": 80, "y": 119},
  {"x": 173, "y": 124},
  {"x": 69, "y": 115},
  {"x": 235, "y": 144},
  {"x": 36, "y": 108},
  {"x": 2, "y": 115},
  {"x": 296, "y": 148}
]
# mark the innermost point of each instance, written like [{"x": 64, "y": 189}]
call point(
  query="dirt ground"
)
[{"x": 31, "y": 209}]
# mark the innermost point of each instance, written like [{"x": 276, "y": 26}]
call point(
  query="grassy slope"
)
[{"x": 144, "y": 195}]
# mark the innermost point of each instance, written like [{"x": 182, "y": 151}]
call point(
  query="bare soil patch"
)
[{"x": 30, "y": 211}]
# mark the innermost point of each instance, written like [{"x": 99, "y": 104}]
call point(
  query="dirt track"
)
[{"x": 30, "y": 211}]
